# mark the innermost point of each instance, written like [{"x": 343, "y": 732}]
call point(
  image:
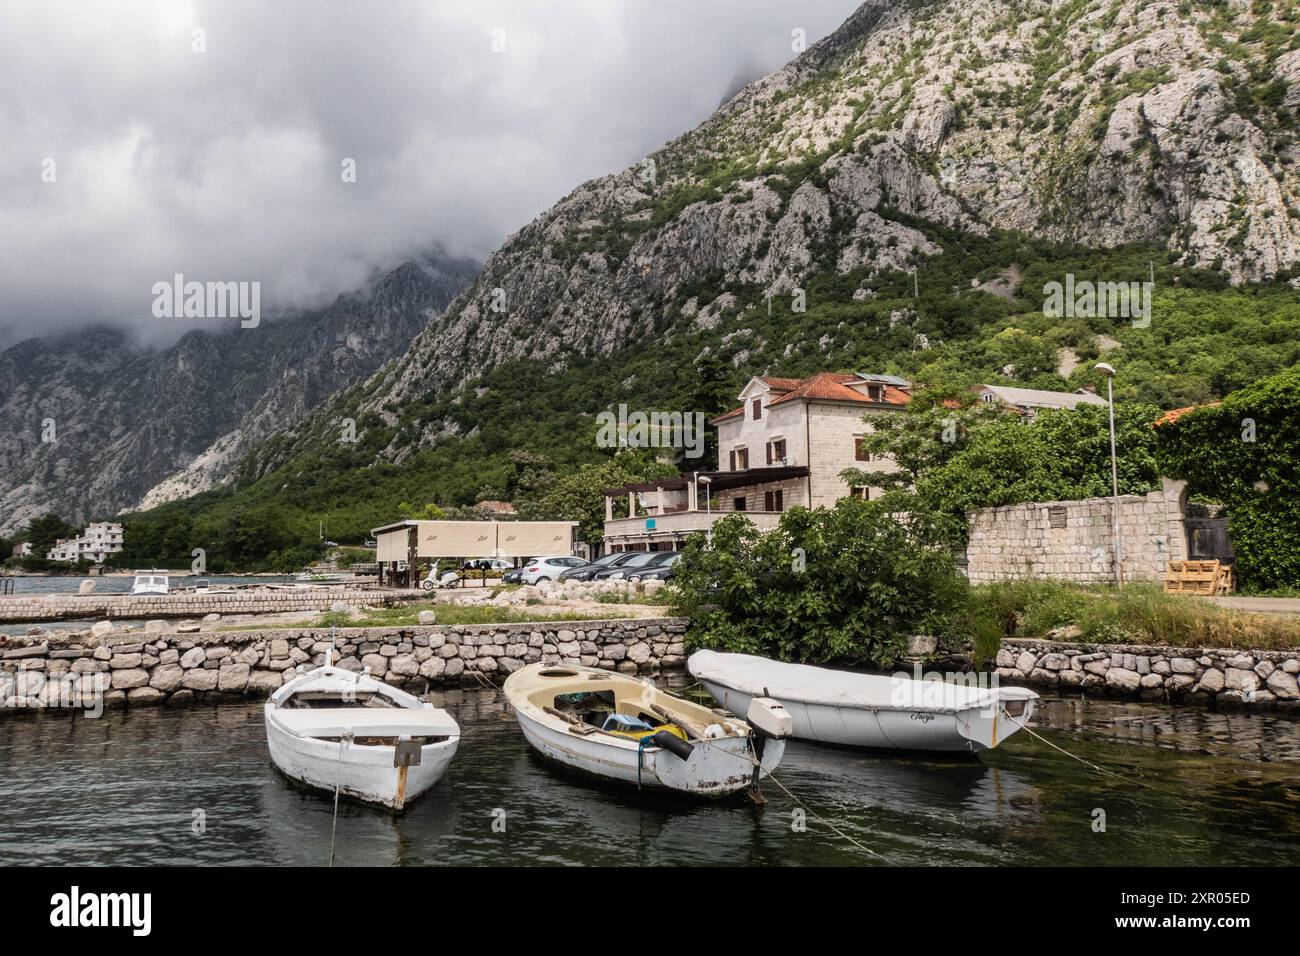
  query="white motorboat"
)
[
  {"x": 868, "y": 710},
  {"x": 624, "y": 729},
  {"x": 332, "y": 728},
  {"x": 150, "y": 582}
]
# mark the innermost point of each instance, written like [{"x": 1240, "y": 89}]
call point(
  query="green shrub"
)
[
  {"x": 846, "y": 584},
  {"x": 1245, "y": 453}
]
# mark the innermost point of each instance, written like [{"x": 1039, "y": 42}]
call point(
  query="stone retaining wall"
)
[
  {"x": 152, "y": 667},
  {"x": 1220, "y": 676},
  {"x": 66, "y": 607},
  {"x": 1073, "y": 540}
]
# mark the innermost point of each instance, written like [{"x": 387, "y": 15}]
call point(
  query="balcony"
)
[{"x": 677, "y": 524}]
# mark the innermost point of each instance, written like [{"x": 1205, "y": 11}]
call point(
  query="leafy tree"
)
[
  {"x": 429, "y": 512},
  {"x": 1245, "y": 453},
  {"x": 42, "y": 532},
  {"x": 580, "y": 496},
  {"x": 1063, "y": 455},
  {"x": 938, "y": 424},
  {"x": 845, "y": 584}
]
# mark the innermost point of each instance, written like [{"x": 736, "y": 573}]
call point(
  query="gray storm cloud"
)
[{"x": 225, "y": 163}]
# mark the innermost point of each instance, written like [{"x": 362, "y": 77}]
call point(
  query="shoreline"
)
[{"x": 109, "y": 667}]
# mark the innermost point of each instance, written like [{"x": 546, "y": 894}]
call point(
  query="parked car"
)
[
  {"x": 514, "y": 575},
  {"x": 548, "y": 568},
  {"x": 587, "y": 570},
  {"x": 486, "y": 564},
  {"x": 638, "y": 560},
  {"x": 657, "y": 570}
]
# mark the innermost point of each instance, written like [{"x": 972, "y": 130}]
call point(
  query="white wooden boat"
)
[
  {"x": 868, "y": 710},
  {"x": 333, "y": 728},
  {"x": 150, "y": 582},
  {"x": 625, "y": 729}
]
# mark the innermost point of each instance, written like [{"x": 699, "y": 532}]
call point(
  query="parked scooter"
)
[{"x": 449, "y": 579}]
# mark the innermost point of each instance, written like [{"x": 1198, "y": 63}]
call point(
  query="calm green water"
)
[{"x": 124, "y": 788}]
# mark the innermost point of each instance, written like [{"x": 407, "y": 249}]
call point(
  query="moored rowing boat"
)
[
  {"x": 625, "y": 729},
  {"x": 868, "y": 710},
  {"x": 334, "y": 729}
]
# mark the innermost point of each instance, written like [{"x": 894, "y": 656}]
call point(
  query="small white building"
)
[
  {"x": 784, "y": 447},
  {"x": 1029, "y": 401},
  {"x": 95, "y": 543}
]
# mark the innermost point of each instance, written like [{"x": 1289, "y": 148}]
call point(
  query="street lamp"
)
[
  {"x": 1114, "y": 475},
  {"x": 708, "y": 505}
]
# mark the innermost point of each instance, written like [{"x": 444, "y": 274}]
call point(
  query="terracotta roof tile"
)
[
  {"x": 832, "y": 387},
  {"x": 824, "y": 386},
  {"x": 780, "y": 384},
  {"x": 1174, "y": 414}
]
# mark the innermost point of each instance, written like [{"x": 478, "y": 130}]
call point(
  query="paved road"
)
[{"x": 1266, "y": 605}]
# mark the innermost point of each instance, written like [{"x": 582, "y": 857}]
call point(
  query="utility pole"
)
[{"x": 1114, "y": 477}]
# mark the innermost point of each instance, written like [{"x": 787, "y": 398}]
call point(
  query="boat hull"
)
[
  {"x": 921, "y": 729},
  {"x": 716, "y": 768},
  {"x": 363, "y": 773}
]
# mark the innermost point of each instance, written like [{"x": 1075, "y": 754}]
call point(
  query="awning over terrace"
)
[{"x": 718, "y": 480}]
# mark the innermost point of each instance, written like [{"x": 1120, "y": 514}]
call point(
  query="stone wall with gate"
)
[{"x": 1072, "y": 540}]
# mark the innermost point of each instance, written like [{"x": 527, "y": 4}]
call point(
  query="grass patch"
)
[
  {"x": 447, "y": 614},
  {"x": 1140, "y": 614}
]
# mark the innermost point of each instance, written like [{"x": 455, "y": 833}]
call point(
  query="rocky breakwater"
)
[
  {"x": 108, "y": 667},
  {"x": 1219, "y": 676}
]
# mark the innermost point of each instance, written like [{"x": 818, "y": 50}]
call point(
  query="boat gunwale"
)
[
  {"x": 798, "y": 697},
  {"x": 522, "y": 703}
]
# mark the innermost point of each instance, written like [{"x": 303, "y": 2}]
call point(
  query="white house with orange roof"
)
[{"x": 784, "y": 447}]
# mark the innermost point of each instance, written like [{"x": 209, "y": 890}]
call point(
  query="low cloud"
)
[{"x": 226, "y": 163}]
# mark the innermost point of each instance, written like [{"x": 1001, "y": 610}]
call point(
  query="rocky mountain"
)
[
  {"x": 135, "y": 426},
  {"x": 896, "y": 199},
  {"x": 1090, "y": 123}
]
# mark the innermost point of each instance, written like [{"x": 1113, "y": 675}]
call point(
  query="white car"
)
[{"x": 549, "y": 568}]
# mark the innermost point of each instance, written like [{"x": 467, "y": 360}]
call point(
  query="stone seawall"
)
[
  {"x": 70, "y": 607},
  {"x": 1218, "y": 676},
  {"x": 129, "y": 668}
]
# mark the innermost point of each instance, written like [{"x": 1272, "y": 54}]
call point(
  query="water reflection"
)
[{"x": 126, "y": 788}]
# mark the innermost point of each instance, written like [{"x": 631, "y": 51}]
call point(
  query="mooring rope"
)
[
  {"x": 810, "y": 811},
  {"x": 338, "y": 782},
  {"x": 1039, "y": 737}
]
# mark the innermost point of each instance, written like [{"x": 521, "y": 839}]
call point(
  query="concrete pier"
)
[{"x": 35, "y": 608}]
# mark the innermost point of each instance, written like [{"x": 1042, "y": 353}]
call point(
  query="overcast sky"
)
[{"x": 225, "y": 164}]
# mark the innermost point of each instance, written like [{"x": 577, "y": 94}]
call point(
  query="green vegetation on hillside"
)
[{"x": 516, "y": 429}]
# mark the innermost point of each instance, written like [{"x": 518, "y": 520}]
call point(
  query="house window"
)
[
  {"x": 776, "y": 451},
  {"x": 862, "y": 491},
  {"x": 739, "y": 504},
  {"x": 757, "y": 405},
  {"x": 741, "y": 459},
  {"x": 859, "y": 452},
  {"x": 874, "y": 393},
  {"x": 1056, "y": 516},
  {"x": 774, "y": 500}
]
